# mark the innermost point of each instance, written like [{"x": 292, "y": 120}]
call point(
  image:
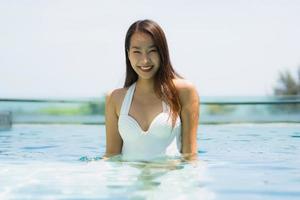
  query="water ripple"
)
[{"x": 39, "y": 147}]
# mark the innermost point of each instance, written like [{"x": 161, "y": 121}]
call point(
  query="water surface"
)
[{"x": 257, "y": 161}]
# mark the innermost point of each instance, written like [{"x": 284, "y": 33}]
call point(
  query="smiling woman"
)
[
  {"x": 156, "y": 113},
  {"x": 143, "y": 55}
]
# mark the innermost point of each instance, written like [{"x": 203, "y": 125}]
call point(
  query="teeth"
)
[{"x": 145, "y": 68}]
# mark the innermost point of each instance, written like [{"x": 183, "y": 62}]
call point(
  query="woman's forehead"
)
[{"x": 141, "y": 40}]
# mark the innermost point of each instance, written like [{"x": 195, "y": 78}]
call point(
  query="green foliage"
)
[
  {"x": 93, "y": 108},
  {"x": 60, "y": 111},
  {"x": 287, "y": 84},
  {"x": 220, "y": 109},
  {"x": 288, "y": 87},
  {"x": 88, "y": 108}
]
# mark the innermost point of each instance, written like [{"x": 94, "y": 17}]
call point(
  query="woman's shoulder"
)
[
  {"x": 186, "y": 89},
  {"x": 116, "y": 97},
  {"x": 183, "y": 85},
  {"x": 116, "y": 93}
]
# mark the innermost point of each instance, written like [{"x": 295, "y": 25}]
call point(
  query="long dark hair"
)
[{"x": 163, "y": 84}]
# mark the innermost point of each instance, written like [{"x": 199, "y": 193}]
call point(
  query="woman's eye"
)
[
  {"x": 136, "y": 52},
  {"x": 153, "y": 50}
]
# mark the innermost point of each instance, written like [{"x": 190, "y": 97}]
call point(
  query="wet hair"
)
[{"x": 163, "y": 79}]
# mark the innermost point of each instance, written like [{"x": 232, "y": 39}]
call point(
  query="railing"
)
[
  {"x": 91, "y": 111},
  {"x": 204, "y": 100}
]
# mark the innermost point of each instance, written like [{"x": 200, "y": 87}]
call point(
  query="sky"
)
[{"x": 75, "y": 49}]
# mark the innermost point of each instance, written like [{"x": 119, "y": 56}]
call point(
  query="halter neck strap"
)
[{"x": 128, "y": 100}]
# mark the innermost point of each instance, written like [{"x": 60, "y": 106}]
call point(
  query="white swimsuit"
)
[{"x": 159, "y": 140}]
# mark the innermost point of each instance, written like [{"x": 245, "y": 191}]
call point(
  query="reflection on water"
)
[
  {"x": 163, "y": 178},
  {"x": 170, "y": 179},
  {"x": 257, "y": 161}
]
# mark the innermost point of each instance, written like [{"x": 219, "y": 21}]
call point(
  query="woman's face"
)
[{"x": 143, "y": 55}]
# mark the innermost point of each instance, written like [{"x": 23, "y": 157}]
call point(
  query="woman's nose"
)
[{"x": 145, "y": 59}]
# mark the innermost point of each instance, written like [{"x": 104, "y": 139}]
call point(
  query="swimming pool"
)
[{"x": 257, "y": 161}]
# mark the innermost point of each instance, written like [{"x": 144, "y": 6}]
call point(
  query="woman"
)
[{"x": 156, "y": 112}]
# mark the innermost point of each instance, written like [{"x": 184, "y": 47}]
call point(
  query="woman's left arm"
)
[{"x": 189, "y": 114}]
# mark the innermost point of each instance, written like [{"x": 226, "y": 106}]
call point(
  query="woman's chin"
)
[{"x": 144, "y": 77}]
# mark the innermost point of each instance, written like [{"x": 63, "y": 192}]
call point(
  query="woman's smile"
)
[{"x": 146, "y": 68}]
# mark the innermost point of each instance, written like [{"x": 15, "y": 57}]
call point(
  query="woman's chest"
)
[{"x": 159, "y": 129}]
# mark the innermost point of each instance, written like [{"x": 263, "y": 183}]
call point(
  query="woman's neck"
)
[{"x": 145, "y": 86}]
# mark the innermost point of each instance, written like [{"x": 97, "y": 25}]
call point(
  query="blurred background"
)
[{"x": 58, "y": 59}]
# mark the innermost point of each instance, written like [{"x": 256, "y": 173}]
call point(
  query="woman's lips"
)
[{"x": 146, "y": 68}]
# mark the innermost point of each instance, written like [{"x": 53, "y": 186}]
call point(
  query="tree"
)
[
  {"x": 287, "y": 84},
  {"x": 290, "y": 87}
]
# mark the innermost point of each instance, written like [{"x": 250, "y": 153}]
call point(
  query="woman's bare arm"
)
[
  {"x": 114, "y": 141},
  {"x": 189, "y": 114}
]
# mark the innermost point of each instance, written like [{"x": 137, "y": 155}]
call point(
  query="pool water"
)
[{"x": 257, "y": 161}]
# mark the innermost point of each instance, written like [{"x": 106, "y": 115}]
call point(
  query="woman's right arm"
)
[{"x": 114, "y": 141}]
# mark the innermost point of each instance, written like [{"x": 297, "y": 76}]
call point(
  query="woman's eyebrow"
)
[{"x": 136, "y": 47}]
